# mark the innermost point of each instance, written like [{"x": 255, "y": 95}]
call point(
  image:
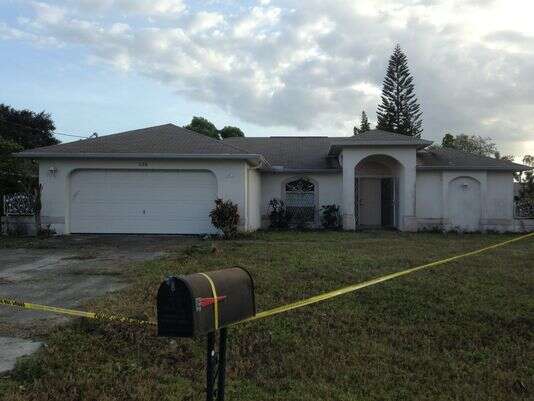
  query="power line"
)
[
  {"x": 37, "y": 129},
  {"x": 74, "y": 136}
]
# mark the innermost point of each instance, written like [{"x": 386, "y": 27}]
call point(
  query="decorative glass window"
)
[{"x": 300, "y": 200}]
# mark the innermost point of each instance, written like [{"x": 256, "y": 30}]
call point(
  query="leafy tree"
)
[
  {"x": 230, "y": 132},
  {"x": 26, "y": 128},
  {"x": 204, "y": 127},
  {"x": 509, "y": 158},
  {"x": 474, "y": 144},
  {"x": 16, "y": 174},
  {"x": 448, "y": 141},
  {"x": 399, "y": 110},
  {"x": 527, "y": 179},
  {"x": 20, "y": 130}
]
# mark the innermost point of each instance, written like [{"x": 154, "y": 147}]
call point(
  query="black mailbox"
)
[{"x": 202, "y": 303}]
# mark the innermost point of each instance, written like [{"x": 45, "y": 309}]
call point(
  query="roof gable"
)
[
  {"x": 167, "y": 139},
  {"x": 377, "y": 137}
]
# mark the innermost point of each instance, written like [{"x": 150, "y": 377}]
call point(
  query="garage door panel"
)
[{"x": 130, "y": 201}]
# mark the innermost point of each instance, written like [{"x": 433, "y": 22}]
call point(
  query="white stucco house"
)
[{"x": 164, "y": 179}]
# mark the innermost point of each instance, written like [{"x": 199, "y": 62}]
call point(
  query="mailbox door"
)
[{"x": 175, "y": 309}]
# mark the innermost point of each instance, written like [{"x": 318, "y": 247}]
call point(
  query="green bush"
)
[
  {"x": 225, "y": 217},
  {"x": 279, "y": 216},
  {"x": 331, "y": 217}
]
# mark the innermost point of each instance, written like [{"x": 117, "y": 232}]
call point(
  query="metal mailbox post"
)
[{"x": 205, "y": 303}]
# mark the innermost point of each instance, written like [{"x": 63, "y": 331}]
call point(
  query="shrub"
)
[
  {"x": 46, "y": 232},
  {"x": 330, "y": 217},
  {"x": 16, "y": 229},
  {"x": 279, "y": 216},
  {"x": 225, "y": 217}
]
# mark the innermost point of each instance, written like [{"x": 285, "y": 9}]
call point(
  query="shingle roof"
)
[
  {"x": 452, "y": 159},
  {"x": 162, "y": 139},
  {"x": 290, "y": 152}
]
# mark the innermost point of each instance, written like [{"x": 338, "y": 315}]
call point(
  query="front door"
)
[
  {"x": 388, "y": 201},
  {"x": 369, "y": 202}
]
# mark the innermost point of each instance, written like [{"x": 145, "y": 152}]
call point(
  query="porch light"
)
[{"x": 52, "y": 171}]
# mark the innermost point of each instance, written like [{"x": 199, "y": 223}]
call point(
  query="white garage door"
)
[{"x": 151, "y": 202}]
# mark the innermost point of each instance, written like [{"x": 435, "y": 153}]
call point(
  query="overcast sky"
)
[{"x": 270, "y": 67}]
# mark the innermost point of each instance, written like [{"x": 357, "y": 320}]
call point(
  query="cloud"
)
[
  {"x": 150, "y": 8},
  {"x": 204, "y": 21},
  {"x": 314, "y": 67}
]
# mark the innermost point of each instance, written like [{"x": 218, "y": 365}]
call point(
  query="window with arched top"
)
[{"x": 300, "y": 198}]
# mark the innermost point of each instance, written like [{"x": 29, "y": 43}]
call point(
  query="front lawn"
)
[{"x": 462, "y": 331}]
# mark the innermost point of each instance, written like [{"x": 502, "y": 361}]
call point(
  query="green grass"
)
[{"x": 462, "y": 331}]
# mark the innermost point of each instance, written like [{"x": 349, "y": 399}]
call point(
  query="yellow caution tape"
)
[
  {"x": 73, "y": 312},
  {"x": 261, "y": 315},
  {"x": 354, "y": 287},
  {"x": 215, "y": 301}
]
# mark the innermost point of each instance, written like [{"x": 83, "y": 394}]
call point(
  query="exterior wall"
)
[
  {"x": 406, "y": 157},
  {"x": 230, "y": 175},
  {"x": 254, "y": 199},
  {"x": 433, "y": 205},
  {"x": 499, "y": 202},
  {"x": 429, "y": 199},
  {"x": 328, "y": 188}
]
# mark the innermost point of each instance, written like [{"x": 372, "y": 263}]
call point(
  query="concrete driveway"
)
[{"x": 63, "y": 271}]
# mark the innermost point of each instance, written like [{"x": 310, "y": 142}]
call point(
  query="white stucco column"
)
[
  {"x": 349, "y": 160},
  {"x": 348, "y": 194},
  {"x": 408, "y": 220}
]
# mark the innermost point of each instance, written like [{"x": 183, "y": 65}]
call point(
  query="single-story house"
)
[{"x": 164, "y": 179}]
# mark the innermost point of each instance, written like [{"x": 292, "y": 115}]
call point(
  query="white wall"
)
[
  {"x": 329, "y": 188},
  {"x": 500, "y": 195},
  {"x": 429, "y": 199},
  {"x": 230, "y": 175},
  {"x": 433, "y": 204},
  {"x": 254, "y": 199}
]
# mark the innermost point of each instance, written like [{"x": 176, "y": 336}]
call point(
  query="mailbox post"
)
[{"x": 205, "y": 303}]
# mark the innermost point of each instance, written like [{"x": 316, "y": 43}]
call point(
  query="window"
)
[{"x": 300, "y": 200}]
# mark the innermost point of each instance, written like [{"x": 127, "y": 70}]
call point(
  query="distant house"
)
[{"x": 164, "y": 179}]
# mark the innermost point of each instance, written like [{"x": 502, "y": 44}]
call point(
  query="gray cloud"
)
[{"x": 313, "y": 67}]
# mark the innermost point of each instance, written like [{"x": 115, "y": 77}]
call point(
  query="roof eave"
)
[
  {"x": 253, "y": 158},
  {"x": 302, "y": 170},
  {"x": 476, "y": 168},
  {"x": 336, "y": 148}
]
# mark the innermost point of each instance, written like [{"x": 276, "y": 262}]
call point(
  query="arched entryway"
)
[{"x": 377, "y": 192}]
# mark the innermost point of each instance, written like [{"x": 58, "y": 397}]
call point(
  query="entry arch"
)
[{"x": 377, "y": 191}]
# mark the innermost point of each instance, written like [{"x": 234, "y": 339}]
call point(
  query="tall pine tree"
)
[
  {"x": 364, "y": 123},
  {"x": 399, "y": 110}
]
